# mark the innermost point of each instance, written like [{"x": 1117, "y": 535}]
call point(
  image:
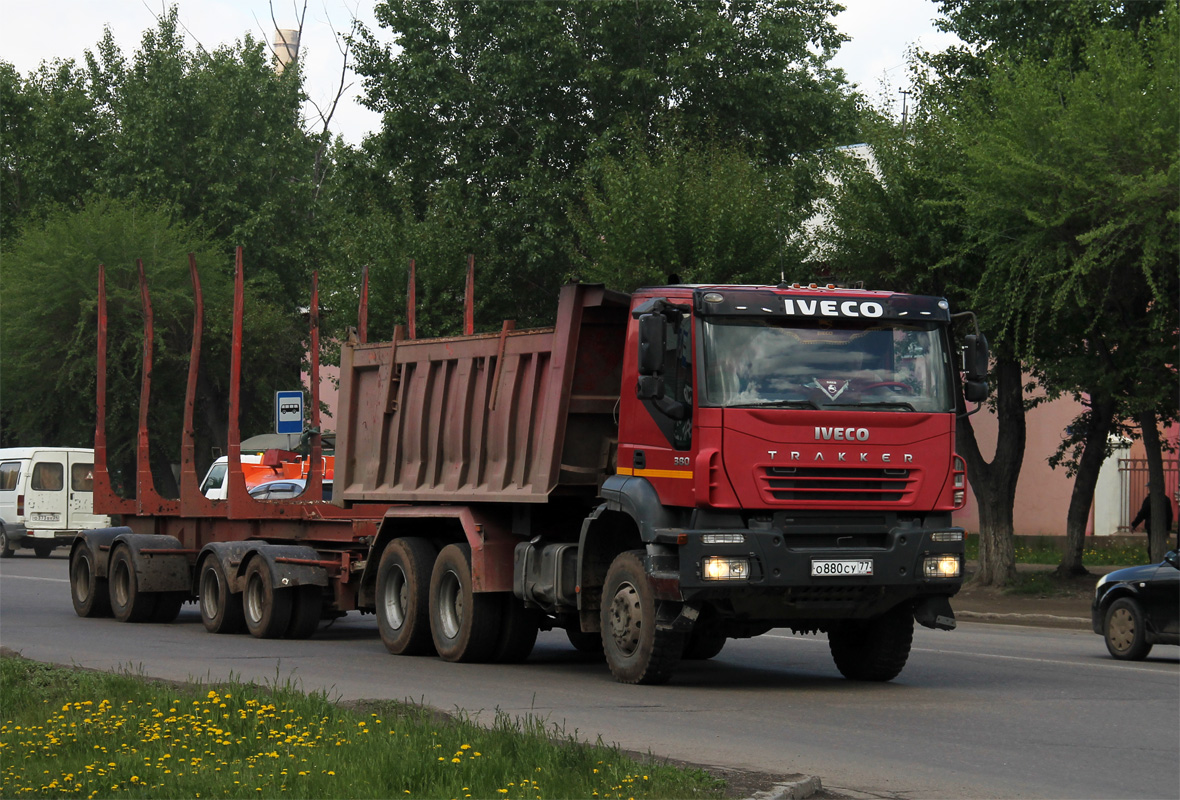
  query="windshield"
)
[{"x": 891, "y": 366}]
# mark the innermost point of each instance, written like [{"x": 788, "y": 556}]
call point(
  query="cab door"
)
[{"x": 46, "y": 500}]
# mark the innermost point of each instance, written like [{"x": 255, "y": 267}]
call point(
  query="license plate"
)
[
  {"x": 43, "y": 517},
  {"x": 840, "y": 567}
]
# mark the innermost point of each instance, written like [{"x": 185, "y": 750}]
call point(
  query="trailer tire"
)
[
  {"x": 128, "y": 603},
  {"x": 5, "y": 546},
  {"x": 518, "y": 632},
  {"x": 403, "y": 596},
  {"x": 637, "y": 651},
  {"x": 588, "y": 643},
  {"x": 875, "y": 649},
  {"x": 88, "y": 592},
  {"x": 168, "y": 606},
  {"x": 464, "y": 624},
  {"x": 42, "y": 549},
  {"x": 267, "y": 610},
  {"x": 305, "y": 611},
  {"x": 221, "y": 609}
]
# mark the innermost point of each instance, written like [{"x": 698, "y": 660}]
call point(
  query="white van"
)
[{"x": 46, "y": 496}]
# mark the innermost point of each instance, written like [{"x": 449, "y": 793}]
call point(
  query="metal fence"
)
[{"x": 1133, "y": 488}]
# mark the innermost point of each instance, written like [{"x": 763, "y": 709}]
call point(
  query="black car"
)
[{"x": 1138, "y": 607}]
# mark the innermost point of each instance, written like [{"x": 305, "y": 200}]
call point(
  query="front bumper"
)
[{"x": 779, "y": 584}]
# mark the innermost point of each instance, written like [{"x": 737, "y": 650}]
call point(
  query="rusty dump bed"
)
[{"x": 513, "y": 416}]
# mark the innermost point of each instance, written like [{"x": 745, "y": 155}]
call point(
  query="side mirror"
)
[
  {"x": 1172, "y": 558},
  {"x": 975, "y": 391},
  {"x": 649, "y": 387},
  {"x": 651, "y": 344},
  {"x": 976, "y": 356}
]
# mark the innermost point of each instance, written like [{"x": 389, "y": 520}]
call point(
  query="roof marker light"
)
[{"x": 713, "y": 297}]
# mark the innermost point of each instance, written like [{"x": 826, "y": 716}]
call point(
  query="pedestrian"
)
[{"x": 1144, "y": 514}]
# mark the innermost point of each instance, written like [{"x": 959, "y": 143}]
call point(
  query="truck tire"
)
[
  {"x": 168, "y": 606},
  {"x": 5, "y": 546},
  {"x": 464, "y": 624},
  {"x": 128, "y": 604},
  {"x": 267, "y": 610},
  {"x": 703, "y": 644},
  {"x": 221, "y": 609},
  {"x": 875, "y": 649},
  {"x": 1125, "y": 631},
  {"x": 403, "y": 596},
  {"x": 42, "y": 549},
  {"x": 588, "y": 643},
  {"x": 306, "y": 606},
  {"x": 88, "y": 592},
  {"x": 636, "y": 650},
  {"x": 518, "y": 632}
]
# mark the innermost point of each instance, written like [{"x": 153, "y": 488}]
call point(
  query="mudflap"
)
[
  {"x": 288, "y": 565},
  {"x": 936, "y": 613},
  {"x": 155, "y": 571},
  {"x": 98, "y": 541}
]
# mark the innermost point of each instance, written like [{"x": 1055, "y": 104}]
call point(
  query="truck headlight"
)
[
  {"x": 943, "y": 566},
  {"x": 722, "y": 568}
]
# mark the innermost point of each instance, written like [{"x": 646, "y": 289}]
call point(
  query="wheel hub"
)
[
  {"x": 1122, "y": 629},
  {"x": 626, "y": 618}
]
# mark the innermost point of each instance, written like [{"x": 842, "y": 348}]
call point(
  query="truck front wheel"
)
[
  {"x": 403, "y": 596},
  {"x": 465, "y": 624},
  {"x": 636, "y": 650},
  {"x": 875, "y": 649},
  {"x": 88, "y": 592},
  {"x": 267, "y": 610},
  {"x": 128, "y": 603}
]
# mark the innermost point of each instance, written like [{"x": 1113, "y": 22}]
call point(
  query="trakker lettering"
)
[
  {"x": 832, "y": 308},
  {"x": 841, "y": 434},
  {"x": 886, "y": 458}
]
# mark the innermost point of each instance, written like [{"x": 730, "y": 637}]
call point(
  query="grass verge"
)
[{"x": 94, "y": 735}]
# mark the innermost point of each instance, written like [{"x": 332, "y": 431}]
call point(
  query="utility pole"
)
[{"x": 905, "y": 93}]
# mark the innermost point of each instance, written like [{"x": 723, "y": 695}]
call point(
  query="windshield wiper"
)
[
  {"x": 889, "y": 404},
  {"x": 806, "y": 403}
]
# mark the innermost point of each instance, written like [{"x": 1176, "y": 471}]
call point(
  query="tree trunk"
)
[
  {"x": 1100, "y": 423},
  {"x": 994, "y": 483},
  {"x": 1157, "y": 533}
]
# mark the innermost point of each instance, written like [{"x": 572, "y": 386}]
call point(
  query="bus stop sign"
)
[{"x": 289, "y": 412}]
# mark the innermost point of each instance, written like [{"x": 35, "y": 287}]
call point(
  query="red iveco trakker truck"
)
[{"x": 657, "y": 473}]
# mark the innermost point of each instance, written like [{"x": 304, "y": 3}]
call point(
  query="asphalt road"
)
[{"x": 983, "y": 711}]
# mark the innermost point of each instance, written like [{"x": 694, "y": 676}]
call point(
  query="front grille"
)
[
  {"x": 826, "y": 595},
  {"x": 837, "y": 484}
]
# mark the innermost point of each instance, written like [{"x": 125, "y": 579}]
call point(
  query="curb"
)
[
  {"x": 985, "y": 616},
  {"x": 799, "y": 788}
]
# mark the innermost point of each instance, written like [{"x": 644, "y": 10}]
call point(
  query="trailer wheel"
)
[
  {"x": 267, "y": 610},
  {"x": 403, "y": 596},
  {"x": 5, "y": 546},
  {"x": 518, "y": 632},
  {"x": 42, "y": 549},
  {"x": 128, "y": 604},
  {"x": 305, "y": 611},
  {"x": 465, "y": 624},
  {"x": 221, "y": 609},
  {"x": 168, "y": 606},
  {"x": 874, "y": 649},
  {"x": 88, "y": 592},
  {"x": 636, "y": 650}
]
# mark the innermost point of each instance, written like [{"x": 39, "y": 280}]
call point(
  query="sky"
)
[{"x": 38, "y": 31}]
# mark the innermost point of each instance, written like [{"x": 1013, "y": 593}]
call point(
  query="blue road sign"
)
[{"x": 289, "y": 412}]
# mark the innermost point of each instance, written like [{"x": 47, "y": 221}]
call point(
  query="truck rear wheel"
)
[
  {"x": 267, "y": 611},
  {"x": 465, "y": 624},
  {"x": 403, "y": 596},
  {"x": 221, "y": 609},
  {"x": 874, "y": 649},
  {"x": 306, "y": 606},
  {"x": 128, "y": 604},
  {"x": 518, "y": 634},
  {"x": 42, "y": 549},
  {"x": 636, "y": 650},
  {"x": 168, "y": 606},
  {"x": 585, "y": 642},
  {"x": 704, "y": 643},
  {"x": 88, "y": 592}
]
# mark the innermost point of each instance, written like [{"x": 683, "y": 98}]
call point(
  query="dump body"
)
[{"x": 511, "y": 417}]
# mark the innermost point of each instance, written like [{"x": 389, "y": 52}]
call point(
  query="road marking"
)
[
  {"x": 1101, "y": 665},
  {"x": 33, "y": 578}
]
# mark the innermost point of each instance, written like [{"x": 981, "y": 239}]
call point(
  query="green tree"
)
[
  {"x": 1070, "y": 185},
  {"x": 48, "y": 333},
  {"x": 492, "y": 110}
]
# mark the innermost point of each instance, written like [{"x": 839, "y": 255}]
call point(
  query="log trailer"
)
[{"x": 656, "y": 473}]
